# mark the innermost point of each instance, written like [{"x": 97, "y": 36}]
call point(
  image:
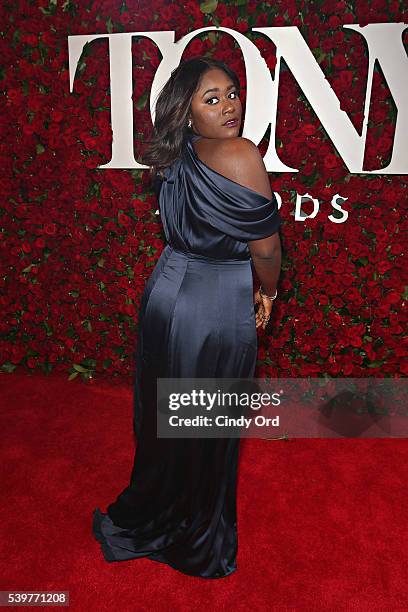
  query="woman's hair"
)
[{"x": 170, "y": 130}]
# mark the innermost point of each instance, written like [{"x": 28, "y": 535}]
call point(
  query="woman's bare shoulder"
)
[
  {"x": 218, "y": 147},
  {"x": 238, "y": 159}
]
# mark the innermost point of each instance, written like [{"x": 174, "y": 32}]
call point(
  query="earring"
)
[{"x": 189, "y": 123}]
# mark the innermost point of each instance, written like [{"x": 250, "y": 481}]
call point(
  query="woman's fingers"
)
[
  {"x": 258, "y": 317},
  {"x": 263, "y": 314},
  {"x": 264, "y": 310}
]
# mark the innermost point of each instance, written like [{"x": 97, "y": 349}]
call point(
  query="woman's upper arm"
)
[
  {"x": 239, "y": 159},
  {"x": 246, "y": 166}
]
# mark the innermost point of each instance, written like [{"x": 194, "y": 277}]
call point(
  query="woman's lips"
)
[{"x": 231, "y": 123}]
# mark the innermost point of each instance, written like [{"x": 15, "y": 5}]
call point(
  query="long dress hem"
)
[{"x": 100, "y": 518}]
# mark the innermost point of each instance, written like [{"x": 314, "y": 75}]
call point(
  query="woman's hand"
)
[{"x": 263, "y": 311}]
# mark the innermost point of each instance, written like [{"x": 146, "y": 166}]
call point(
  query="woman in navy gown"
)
[{"x": 197, "y": 320}]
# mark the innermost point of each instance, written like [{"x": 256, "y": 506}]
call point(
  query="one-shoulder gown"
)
[{"x": 196, "y": 320}]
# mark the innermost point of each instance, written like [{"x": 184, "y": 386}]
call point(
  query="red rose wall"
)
[{"x": 78, "y": 243}]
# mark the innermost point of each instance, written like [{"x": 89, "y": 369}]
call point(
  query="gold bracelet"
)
[{"x": 270, "y": 297}]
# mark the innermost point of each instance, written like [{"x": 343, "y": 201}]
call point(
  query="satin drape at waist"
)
[{"x": 211, "y": 260}]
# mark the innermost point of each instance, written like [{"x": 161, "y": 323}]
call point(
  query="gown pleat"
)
[{"x": 196, "y": 320}]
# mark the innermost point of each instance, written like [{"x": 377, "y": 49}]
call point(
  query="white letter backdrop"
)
[{"x": 384, "y": 43}]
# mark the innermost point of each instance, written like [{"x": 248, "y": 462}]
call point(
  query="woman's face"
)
[{"x": 210, "y": 110}]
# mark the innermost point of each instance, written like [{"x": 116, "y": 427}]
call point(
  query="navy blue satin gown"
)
[{"x": 196, "y": 320}]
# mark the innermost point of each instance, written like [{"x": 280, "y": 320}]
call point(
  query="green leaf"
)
[
  {"x": 39, "y": 148},
  {"x": 79, "y": 368},
  {"x": 109, "y": 25},
  {"x": 208, "y": 6},
  {"x": 8, "y": 367},
  {"x": 16, "y": 37},
  {"x": 363, "y": 260},
  {"x": 90, "y": 362},
  {"x": 73, "y": 375},
  {"x": 319, "y": 54},
  {"x": 48, "y": 328},
  {"x": 87, "y": 325},
  {"x": 142, "y": 100}
]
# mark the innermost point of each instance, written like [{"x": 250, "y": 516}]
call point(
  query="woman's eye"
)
[{"x": 235, "y": 93}]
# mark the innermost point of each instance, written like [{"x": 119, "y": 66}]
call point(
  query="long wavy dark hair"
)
[{"x": 170, "y": 130}]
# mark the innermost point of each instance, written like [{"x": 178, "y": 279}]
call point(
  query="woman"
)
[{"x": 196, "y": 319}]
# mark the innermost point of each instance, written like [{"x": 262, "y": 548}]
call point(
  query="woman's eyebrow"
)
[{"x": 217, "y": 89}]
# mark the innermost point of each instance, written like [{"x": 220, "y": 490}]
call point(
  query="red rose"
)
[
  {"x": 124, "y": 220},
  {"x": 196, "y": 46},
  {"x": 50, "y": 228},
  {"x": 221, "y": 11},
  {"x": 392, "y": 297},
  {"x": 308, "y": 129},
  {"x": 241, "y": 26},
  {"x": 29, "y": 39},
  {"x": 330, "y": 161},
  {"x": 334, "y": 21},
  {"x": 157, "y": 243},
  {"x": 228, "y": 22}
]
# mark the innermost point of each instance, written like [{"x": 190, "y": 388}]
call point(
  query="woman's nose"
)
[{"x": 228, "y": 106}]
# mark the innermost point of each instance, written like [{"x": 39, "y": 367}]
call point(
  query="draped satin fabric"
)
[{"x": 196, "y": 321}]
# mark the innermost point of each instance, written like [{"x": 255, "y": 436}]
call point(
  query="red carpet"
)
[{"x": 322, "y": 524}]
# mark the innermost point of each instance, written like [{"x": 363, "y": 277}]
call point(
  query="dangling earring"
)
[{"x": 189, "y": 123}]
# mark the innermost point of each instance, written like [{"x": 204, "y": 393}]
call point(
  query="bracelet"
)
[{"x": 270, "y": 297}]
